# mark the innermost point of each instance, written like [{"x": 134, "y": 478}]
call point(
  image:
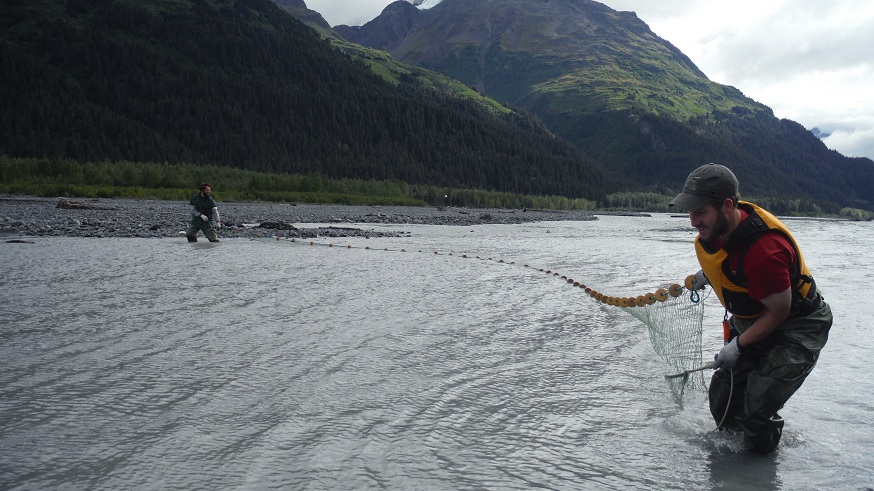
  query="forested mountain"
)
[
  {"x": 242, "y": 83},
  {"x": 631, "y": 100}
]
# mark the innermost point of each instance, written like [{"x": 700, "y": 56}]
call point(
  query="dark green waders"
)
[
  {"x": 205, "y": 227},
  {"x": 766, "y": 376}
]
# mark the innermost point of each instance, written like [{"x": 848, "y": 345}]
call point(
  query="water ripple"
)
[{"x": 257, "y": 364}]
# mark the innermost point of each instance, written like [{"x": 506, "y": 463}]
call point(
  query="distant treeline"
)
[
  {"x": 143, "y": 180},
  {"x": 64, "y": 177},
  {"x": 656, "y": 202}
]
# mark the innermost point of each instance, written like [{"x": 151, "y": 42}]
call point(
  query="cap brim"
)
[{"x": 688, "y": 201}]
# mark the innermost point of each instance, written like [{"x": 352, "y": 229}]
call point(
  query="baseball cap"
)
[{"x": 710, "y": 181}]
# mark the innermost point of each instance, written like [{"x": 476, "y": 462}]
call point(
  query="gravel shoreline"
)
[{"x": 31, "y": 216}]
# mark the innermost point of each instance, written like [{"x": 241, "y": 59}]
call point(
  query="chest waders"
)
[
  {"x": 769, "y": 372},
  {"x": 207, "y": 206}
]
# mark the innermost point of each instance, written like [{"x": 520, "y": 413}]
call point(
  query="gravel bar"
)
[{"x": 31, "y": 216}]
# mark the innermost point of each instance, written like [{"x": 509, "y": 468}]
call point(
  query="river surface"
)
[{"x": 263, "y": 363}]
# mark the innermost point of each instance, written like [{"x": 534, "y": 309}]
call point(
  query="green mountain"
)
[
  {"x": 556, "y": 57},
  {"x": 242, "y": 83},
  {"x": 632, "y": 101}
]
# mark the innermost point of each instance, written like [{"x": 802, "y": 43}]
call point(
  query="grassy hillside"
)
[{"x": 563, "y": 55}]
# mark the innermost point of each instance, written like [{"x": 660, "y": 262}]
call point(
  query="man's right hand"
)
[{"x": 204, "y": 218}]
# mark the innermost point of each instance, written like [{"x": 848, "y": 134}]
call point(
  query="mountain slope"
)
[
  {"x": 242, "y": 83},
  {"x": 553, "y": 56},
  {"x": 631, "y": 100},
  {"x": 299, "y": 10}
]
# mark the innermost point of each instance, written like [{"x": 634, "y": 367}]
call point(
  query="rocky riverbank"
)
[{"x": 29, "y": 216}]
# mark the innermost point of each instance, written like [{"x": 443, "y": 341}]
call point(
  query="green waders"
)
[
  {"x": 767, "y": 374},
  {"x": 197, "y": 224}
]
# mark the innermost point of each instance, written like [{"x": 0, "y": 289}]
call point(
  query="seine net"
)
[
  {"x": 674, "y": 329},
  {"x": 674, "y": 317}
]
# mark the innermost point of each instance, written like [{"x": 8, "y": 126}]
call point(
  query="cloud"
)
[
  {"x": 352, "y": 13},
  {"x": 788, "y": 41},
  {"x": 810, "y": 61},
  {"x": 854, "y": 142}
]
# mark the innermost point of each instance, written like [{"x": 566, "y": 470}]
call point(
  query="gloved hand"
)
[
  {"x": 204, "y": 218},
  {"x": 217, "y": 225},
  {"x": 728, "y": 355},
  {"x": 700, "y": 281}
]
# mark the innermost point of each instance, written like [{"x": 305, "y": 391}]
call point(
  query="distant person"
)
[
  {"x": 778, "y": 321},
  {"x": 204, "y": 215}
]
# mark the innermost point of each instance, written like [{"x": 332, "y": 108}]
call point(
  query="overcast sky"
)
[{"x": 811, "y": 61}]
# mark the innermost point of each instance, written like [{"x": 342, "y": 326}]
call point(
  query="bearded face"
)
[{"x": 710, "y": 222}]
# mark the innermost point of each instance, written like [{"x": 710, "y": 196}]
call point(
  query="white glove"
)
[
  {"x": 204, "y": 218},
  {"x": 728, "y": 355},
  {"x": 217, "y": 225},
  {"x": 700, "y": 281}
]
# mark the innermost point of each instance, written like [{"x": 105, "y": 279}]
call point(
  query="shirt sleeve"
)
[{"x": 767, "y": 265}]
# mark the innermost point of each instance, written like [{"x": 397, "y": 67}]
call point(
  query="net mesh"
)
[
  {"x": 675, "y": 331},
  {"x": 674, "y": 317}
]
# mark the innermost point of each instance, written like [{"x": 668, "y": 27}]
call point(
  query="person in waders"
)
[
  {"x": 776, "y": 319},
  {"x": 204, "y": 215}
]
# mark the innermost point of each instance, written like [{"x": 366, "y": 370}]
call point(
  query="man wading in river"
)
[
  {"x": 204, "y": 215},
  {"x": 779, "y": 321}
]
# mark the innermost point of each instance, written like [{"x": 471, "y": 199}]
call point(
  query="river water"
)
[{"x": 253, "y": 364}]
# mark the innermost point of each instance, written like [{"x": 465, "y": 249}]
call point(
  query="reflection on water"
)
[{"x": 262, "y": 363}]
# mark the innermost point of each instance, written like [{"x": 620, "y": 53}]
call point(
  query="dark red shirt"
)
[{"x": 767, "y": 263}]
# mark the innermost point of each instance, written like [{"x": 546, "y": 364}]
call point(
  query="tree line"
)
[{"x": 142, "y": 180}]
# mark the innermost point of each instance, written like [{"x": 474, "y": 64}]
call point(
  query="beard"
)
[{"x": 720, "y": 227}]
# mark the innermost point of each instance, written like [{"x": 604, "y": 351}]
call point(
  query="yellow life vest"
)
[{"x": 731, "y": 286}]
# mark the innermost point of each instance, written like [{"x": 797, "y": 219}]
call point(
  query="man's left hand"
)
[
  {"x": 700, "y": 281},
  {"x": 728, "y": 355}
]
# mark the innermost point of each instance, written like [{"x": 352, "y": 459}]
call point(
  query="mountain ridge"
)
[
  {"x": 565, "y": 42},
  {"x": 631, "y": 100}
]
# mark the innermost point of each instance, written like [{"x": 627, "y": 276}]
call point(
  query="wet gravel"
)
[{"x": 29, "y": 216}]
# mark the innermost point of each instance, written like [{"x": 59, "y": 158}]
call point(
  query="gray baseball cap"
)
[{"x": 710, "y": 181}]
